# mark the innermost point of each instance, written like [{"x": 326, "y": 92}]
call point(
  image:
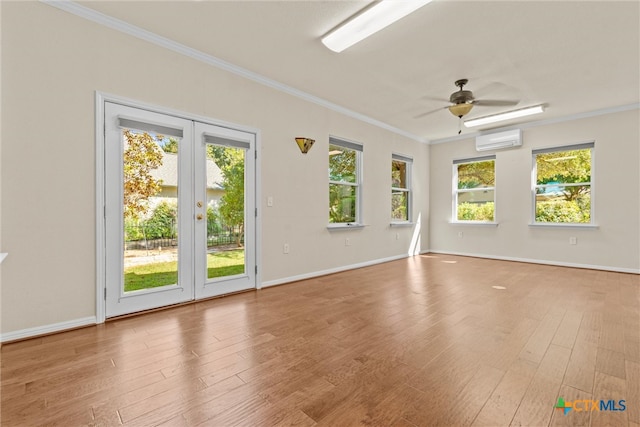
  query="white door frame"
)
[{"x": 100, "y": 100}]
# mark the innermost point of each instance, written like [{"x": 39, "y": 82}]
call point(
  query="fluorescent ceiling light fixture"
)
[
  {"x": 370, "y": 21},
  {"x": 504, "y": 116}
]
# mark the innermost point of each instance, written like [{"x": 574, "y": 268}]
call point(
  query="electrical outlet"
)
[
  {"x": 397, "y": 236},
  {"x": 347, "y": 242},
  {"x": 573, "y": 240},
  {"x": 285, "y": 248},
  {"x": 460, "y": 234},
  {"x": 270, "y": 201}
]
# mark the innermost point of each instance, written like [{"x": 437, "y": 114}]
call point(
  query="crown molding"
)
[{"x": 148, "y": 36}]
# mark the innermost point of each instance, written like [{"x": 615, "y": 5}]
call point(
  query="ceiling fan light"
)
[{"x": 460, "y": 110}]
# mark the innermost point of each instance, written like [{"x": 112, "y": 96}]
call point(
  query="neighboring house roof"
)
[{"x": 168, "y": 172}]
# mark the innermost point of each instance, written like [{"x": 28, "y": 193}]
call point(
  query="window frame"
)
[
  {"x": 408, "y": 161},
  {"x": 457, "y": 191},
  {"x": 534, "y": 186},
  {"x": 359, "y": 149}
]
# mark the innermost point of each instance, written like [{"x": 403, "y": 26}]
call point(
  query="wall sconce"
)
[{"x": 305, "y": 144}]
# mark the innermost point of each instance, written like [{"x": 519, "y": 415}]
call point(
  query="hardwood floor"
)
[{"x": 423, "y": 341}]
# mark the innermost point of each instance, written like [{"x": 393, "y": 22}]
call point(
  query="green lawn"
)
[{"x": 219, "y": 264}]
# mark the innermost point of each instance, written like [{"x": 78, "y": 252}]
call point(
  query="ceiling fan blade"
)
[
  {"x": 491, "y": 89},
  {"x": 497, "y": 90},
  {"x": 432, "y": 98},
  {"x": 495, "y": 102},
  {"x": 419, "y": 116}
]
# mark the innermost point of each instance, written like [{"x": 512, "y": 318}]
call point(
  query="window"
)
[
  {"x": 474, "y": 189},
  {"x": 344, "y": 181},
  {"x": 400, "y": 188},
  {"x": 562, "y": 186}
]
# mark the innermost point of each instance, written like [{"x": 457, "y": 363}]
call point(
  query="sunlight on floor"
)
[{"x": 415, "y": 247}]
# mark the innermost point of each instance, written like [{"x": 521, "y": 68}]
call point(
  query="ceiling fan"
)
[{"x": 462, "y": 101}]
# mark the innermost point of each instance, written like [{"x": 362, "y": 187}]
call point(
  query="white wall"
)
[
  {"x": 615, "y": 244},
  {"x": 52, "y": 65},
  {"x": 54, "y": 62},
  {"x": 1, "y": 247}
]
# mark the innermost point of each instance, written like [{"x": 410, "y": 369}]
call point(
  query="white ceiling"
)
[{"x": 573, "y": 56}]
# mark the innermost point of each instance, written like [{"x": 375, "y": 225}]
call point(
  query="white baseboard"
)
[
  {"x": 540, "y": 261},
  {"x": 330, "y": 271},
  {"x": 47, "y": 329},
  {"x": 91, "y": 320}
]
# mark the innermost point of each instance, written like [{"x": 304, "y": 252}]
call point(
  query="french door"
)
[
  {"x": 221, "y": 243},
  {"x": 179, "y": 210}
]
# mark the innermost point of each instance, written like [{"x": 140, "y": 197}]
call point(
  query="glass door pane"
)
[
  {"x": 225, "y": 180},
  {"x": 150, "y": 215}
]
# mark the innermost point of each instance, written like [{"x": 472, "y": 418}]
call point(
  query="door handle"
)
[{"x": 199, "y": 217}]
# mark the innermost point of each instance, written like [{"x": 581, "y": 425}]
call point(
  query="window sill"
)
[
  {"x": 345, "y": 226},
  {"x": 481, "y": 223},
  {"x": 402, "y": 224},
  {"x": 561, "y": 225}
]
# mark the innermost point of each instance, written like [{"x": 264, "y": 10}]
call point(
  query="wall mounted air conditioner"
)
[{"x": 499, "y": 140}]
